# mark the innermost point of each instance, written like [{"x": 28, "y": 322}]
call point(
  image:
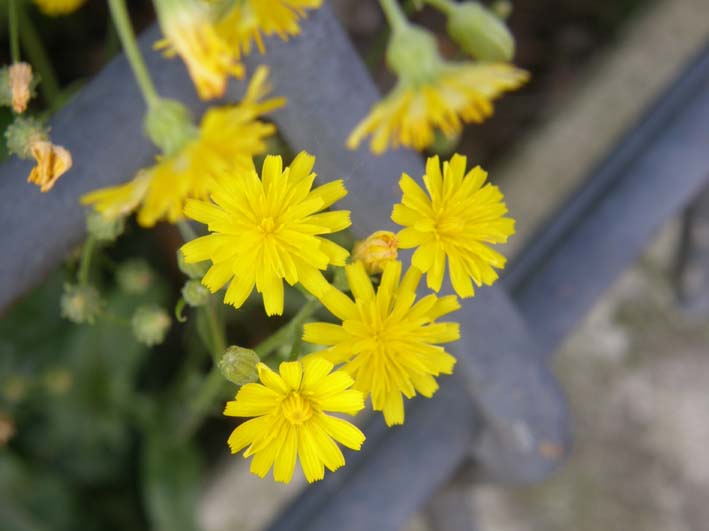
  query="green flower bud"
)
[
  {"x": 104, "y": 229},
  {"x": 134, "y": 276},
  {"x": 197, "y": 270},
  {"x": 21, "y": 133},
  {"x": 238, "y": 365},
  {"x": 169, "y": 125},
  {"x": 150, "y": 325},
  {"x": 444, "y": 145},
  {"x": 80, "y": 303},
  {"x": 413, "y": 54},
  {"x": 194, "y": 293},
  {"x": 480, "y": 32}
]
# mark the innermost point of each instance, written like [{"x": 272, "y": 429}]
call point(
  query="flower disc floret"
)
[
  {"x": 292, "y": 422},
  {"x": 388, "y": 341},
  {"x": 266, "y": 230},
  {"x": 457, "y": 221}
]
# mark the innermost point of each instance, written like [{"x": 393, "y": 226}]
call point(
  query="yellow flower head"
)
[
  {"x": 376, "y": 250},
  {"x": 457, "y": 220},
  {"x": 431, "y": 94},
  {"x": 228, "y": 137},
  {"x": 269, "y": 229},
  {"x": 52, "y": 162},
  {"x": 387, "y": 340},
  {"x": 246, "y": 21},
  {"x": 55, "y": 8},
  {"x": 410, "y": 115},
  {"x": 190, "y": 32},
  {"x": 292, "y": 421}
]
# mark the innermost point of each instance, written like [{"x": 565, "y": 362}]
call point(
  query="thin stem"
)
[
  {"x": 38, "y": 57},
  {"x": 120, "y": 17},
  {"x": 394, "y": 14},
  {"x": 186, "y": 230},
  {"x": 284, "y": 334},
  {"x": 442, "y": 5},
  {"x": 216, "y": 330},
  {"x": 14, "y": 31},
  {"x": 86, "y": 253}
]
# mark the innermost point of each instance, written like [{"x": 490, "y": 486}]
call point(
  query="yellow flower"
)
[
  {"x": 292, "y": 421},
  {"x": 410, "y": 114},
  {"x": 228, "y": 138},
  {"x": 387, "y": 340},
  {"x": 191, "y": 32},
  {"x": 247, "y": 20},
  {"x": 54, "y": 8},
  {"x": 376, "y": 250},
  {"x": 266, "y": 230},
  {"x": 456, "y": 221},
  {"x": 52, "y": 162}
]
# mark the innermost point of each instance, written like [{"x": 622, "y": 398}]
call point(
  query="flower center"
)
[
  {"x": 296, "y": 409},
  {"x": 268, "y": 225}
]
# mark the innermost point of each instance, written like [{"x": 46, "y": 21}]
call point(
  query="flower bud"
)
[
  {"x": 52, "y": 162},
  {"x": 80, "y": 303},
  {"x": 58, "y": 381},
  {"x": 479, "y": 32},
  {"x": 150, "y": 325},
  {"x": 238, "y": 365},
  {"x": 376, "y": 251},
  {"x": 169, "y": 126},
  {"x": 134, "y": 276},
  {"x": 196, "y": 270},
  {"x": 22, "y": 133},
  {"x": 103, "y": 228},
  {"x": 413, "y": 54},
  {"x": 194, "y": 293},
  {"x": 17, "y": 86}
]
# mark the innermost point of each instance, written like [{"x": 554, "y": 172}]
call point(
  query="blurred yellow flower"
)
[
  {"x": 52, "y": 162},
  {"x": 387, "y": 340},
  {"x": 191, "y": 33},
  {"x": 266, "y": 230},
  {"x": 228, "y": 138},
  {"x": 55, "y": 8},
  {"x": 246, "y": 21},
  {"x": 291, "y": 420},
  {"x": 410, "y": 114},
  {"x": 376, "y": 250},
  {"x": 457, "y": 220}
]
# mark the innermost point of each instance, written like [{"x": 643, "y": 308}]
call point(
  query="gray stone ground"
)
[{"x": 637, "y": 377}]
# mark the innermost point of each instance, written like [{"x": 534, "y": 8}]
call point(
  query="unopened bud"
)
[
  {"x": 238, "y": 365},
  {"x": 150, "y": 325},
  {"x": 196, "y": 270},
  {"x": 22, "y": 133},
  {"x": 376, "y": 251},
  {"x": 480, "y": 32},
  {"x": 17, "y": 86},
  {"x": 194, "y": 293},
  {"x": 104, "y": 228},
  {"x": 134, "y": 276},
  {"x": 80, "y": 303},
  {"x": 413, "y": 54},
  {"x": 168, "y": 125}
]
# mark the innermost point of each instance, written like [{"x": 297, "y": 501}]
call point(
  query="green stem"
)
[
  {"x": 186, "y": 230},
  {"x": 216, "y": 330},
  {"x": 285, "y": 333},
  {"x": 38, "y": 57},
  {"x": 394, "y": 14},
  {"x": 86, "y": 253},
  {"x": 119, "y": 14},
  {"x": 445, "y": 6},
  {"x": 14, "y": 31}
]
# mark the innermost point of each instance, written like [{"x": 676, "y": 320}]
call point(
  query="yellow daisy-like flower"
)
[
  {"x": 269, "y": 229},
  {"x": 246, "y": 21},
  {"x": 55, "y": 8},
  {"x": 228, "y": 137},
  {"x": 387, "y": 340},
  {"x": 292, "y": 421},
  {"x": 190, "y": 31},
  {"x": 457, "y": 220},
  {"x": 410, "y": 114}
]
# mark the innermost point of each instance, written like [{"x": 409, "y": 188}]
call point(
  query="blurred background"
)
[{"x": 636, "y": 372}]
